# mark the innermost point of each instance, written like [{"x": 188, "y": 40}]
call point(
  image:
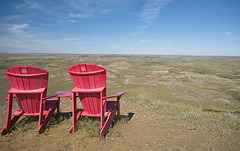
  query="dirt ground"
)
[{"x": 143, "y": 130}]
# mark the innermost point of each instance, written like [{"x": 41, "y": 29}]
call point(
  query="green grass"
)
[
  {"x": 26, "y": 123},
  {"x": 224, "y": 121},
  {"x": 90, "y": 126}
]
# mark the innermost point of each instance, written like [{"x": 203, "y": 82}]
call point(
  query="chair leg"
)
[
  {"x": 74, "y": 113},
  {"x": 4, "y": 131},
  {"x": 9, "y": 121},
  {"x": 107, "y": 123},
  {"x": 118, "y": 109},
  {"x": 118, "y": 112},
  {"x": 45, "y": 120},
  {"x": 9, "y": 124},
  {"x": 58, "y": 104}
]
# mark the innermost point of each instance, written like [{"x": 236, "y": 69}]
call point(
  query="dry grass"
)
[{"x": 196, "y": 94}]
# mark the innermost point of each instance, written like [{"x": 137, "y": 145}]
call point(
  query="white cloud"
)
[
  {"x": 22, "y": 45},
  {"x": 151, "y": 9},
  {"x": 228, "y": 33},
  {"x": 93, "y": 8},
  {"x": 149, "y": 40},
  {"x": 72, "y": 21},
  {"x": 70, "y": 39},
  {"x": 91, "y": 5},
  {"x": 80, "y": 16},
  {"x": 12, "y": 17},
  {"x": 18, "y": 28},
  {"x": 33, "y": 4}
]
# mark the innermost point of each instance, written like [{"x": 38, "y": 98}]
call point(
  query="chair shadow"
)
[
  {"x": 129, "y": 116},
  {"x": 123, "y": 118},
  {"x": 61, "y": 116},
  {"x": 58, "y": 118},
  {"x": 26, "y": 123}
]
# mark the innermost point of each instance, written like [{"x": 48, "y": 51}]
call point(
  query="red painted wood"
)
[
  {"x": 90, "y": 85},
  {"x": 107, "y": 124},
  {"x": 29, "y": 86}
]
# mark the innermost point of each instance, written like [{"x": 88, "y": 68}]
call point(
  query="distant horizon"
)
[{"x": 150, "y": 55}]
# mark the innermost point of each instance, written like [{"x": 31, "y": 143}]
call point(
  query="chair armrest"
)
[
  {"x": 50, "y": 96},
  {"x": 17, "y": 91},
  {"x": 115, "y": 95},
  {"x": 60, "y": 94}
]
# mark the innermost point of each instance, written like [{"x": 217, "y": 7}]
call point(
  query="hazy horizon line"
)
[{"x": 32, "y": 53}]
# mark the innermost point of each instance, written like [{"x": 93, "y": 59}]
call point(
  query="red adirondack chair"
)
[
  {"x": 29, "y": 88},
  {"x": 90, "y": 86}
]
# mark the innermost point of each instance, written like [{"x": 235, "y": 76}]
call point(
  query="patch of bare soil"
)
[
  {"x": 144, "y": 130},
  {"x": 120, "y": 65}
]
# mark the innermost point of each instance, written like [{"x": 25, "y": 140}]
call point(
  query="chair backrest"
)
[
  {"x": 28, "y": 78},
  {"x": 89, "y": 76}
]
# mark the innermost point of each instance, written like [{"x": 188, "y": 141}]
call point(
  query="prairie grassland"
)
[{"x": 197, "y": 94}]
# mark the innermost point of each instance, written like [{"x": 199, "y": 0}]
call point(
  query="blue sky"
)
[{"x": 151, "y": 27}]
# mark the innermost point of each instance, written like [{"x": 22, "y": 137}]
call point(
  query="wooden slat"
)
[
  {"x": 10, "y": 79},
  {"x": 19, "y": 97},
  {"x": 92, "y": 99},
  {"x": 97, "y": 79},
  {"x": 85, "y": 102},
  {"x": 87, "y": 73},
  {"x": 85, "y": 77}
]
